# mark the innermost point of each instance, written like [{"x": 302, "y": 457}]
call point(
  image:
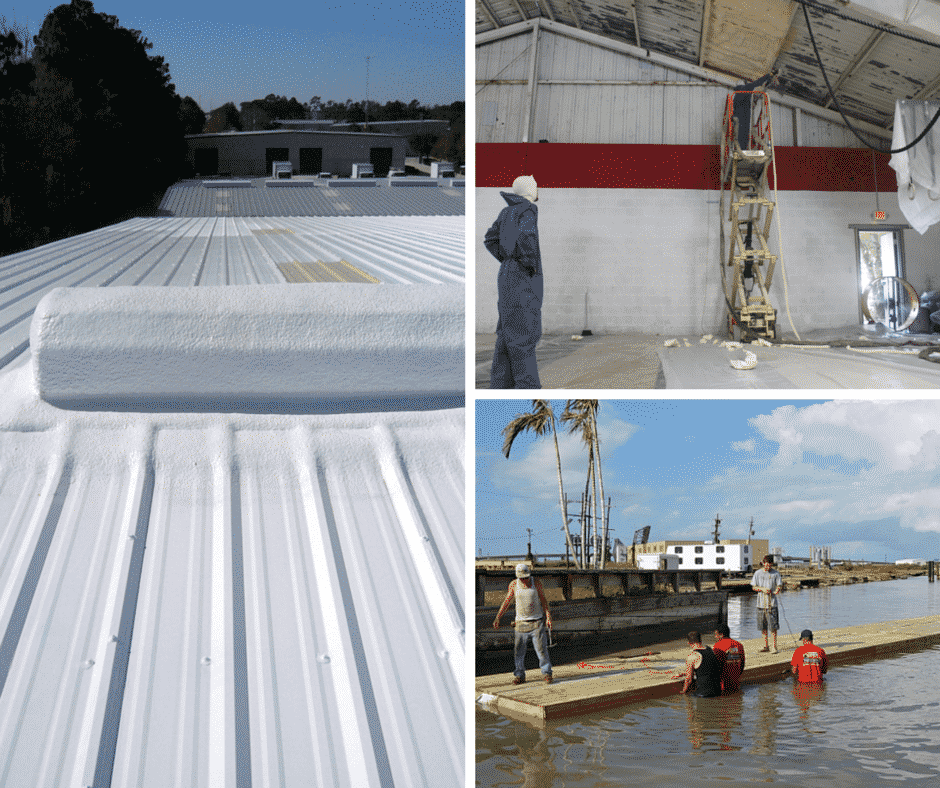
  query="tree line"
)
[{"x": 90, "y": 126}]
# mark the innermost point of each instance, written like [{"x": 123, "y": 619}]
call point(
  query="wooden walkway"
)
[{"x": 608, "y": 682}]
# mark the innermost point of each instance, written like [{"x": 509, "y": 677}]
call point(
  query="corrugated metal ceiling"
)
[{"x": 746, "y": 38}]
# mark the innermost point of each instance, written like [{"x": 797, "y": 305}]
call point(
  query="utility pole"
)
[
  {"x": 366, "y": 125},
  {"x": 529, "y": 553},
  {"x": 717, "y": 523},
  {"x": 750, "y": 532}
]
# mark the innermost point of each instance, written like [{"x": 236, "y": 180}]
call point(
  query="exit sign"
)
[{"x": 880, "y": 216}]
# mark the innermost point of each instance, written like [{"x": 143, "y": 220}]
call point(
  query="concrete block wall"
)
[{"x": 647, "y": 259}]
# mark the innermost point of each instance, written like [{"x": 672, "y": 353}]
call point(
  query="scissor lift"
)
[{"x": 748, "y": 268}]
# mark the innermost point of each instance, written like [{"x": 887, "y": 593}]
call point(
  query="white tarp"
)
[{"x": 918, "y": 169}]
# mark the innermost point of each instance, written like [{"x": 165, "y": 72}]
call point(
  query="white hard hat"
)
[
  {"x": 525, "y": 186},
  {"x": 522, "y": 570}
]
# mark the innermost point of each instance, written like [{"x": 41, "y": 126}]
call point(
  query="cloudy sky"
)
[
  {"x": 238, "y": 51},
  {"x": 862, "y": 477}
]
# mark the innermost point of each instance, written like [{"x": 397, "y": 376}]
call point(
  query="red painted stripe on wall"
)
[{"x": 588, "y": 166}]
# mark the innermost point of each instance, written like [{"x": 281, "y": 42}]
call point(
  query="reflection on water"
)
[
  {"x": 838, "y": 606},
  {"x": 867, "y": 725}
]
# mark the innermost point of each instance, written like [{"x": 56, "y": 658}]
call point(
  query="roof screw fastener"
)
[
  {"x": 323, "y": 658},
  {"x": 88, "y": 663},
  {"x": 443, "y": 653},
  {"x": 206, "y": 660},
  {"x": 114, "y": 638},
  {"x": 132, "y": 536}
]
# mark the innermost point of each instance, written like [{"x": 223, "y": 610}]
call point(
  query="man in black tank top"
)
[{"x": 703, "y": 665}]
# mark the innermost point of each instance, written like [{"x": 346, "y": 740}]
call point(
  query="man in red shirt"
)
[
  {"x": 809, "y": 662},
  {"x": 733, "y": 662}
]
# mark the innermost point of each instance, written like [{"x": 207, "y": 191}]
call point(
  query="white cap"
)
[
  {"x": 525, "y": 186},
  {"x": 522, "y": 570}
]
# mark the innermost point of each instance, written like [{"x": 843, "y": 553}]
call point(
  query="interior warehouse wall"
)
[
  {"x": 647, "y": 260},
  {"x": 582, "y": 95}
]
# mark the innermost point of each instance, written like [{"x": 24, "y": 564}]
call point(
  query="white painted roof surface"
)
[
  {"x": 204, "y": 597},
  {"x": 223, "y": 599},
  {"x": 224, "y": 251},
  {"x": 205, "y": 347},
  {"x": 418, "y": 196}
]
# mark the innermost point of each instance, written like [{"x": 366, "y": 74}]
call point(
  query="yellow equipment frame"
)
[{"x": 744, "y": 175}]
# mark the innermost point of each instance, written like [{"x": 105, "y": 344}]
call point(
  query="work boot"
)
[
  {"x": 518, "y": 680},
  {"x": 548, "y": 678}
]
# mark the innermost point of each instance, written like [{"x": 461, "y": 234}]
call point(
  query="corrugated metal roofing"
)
[
  {"x": 230, "y": 600},
  {"x": 221, "y": 251},
  {"x": 191, "y": 198}
]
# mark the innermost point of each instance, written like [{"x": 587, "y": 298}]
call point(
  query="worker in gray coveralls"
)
[
  {"x": 532, "y": 618},
  {"x": 514, "y": 241}
]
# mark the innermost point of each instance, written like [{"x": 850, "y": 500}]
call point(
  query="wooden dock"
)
[{"x": 607, "y": 683}]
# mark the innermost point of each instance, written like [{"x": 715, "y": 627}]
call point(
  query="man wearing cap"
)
[
  {"x": 767, "y": 583},
  {"x": 514, "y": 241},
  {"x": 809, "y": 661},
  {"x": 532, "y": 617}
]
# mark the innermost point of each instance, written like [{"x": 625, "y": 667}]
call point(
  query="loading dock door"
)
[
  {"x": 381, "y": 160},
  {"x": 207, "y": 161},
  {"x": 272, "y": 155},
  {"x": 311, "y": 161}
]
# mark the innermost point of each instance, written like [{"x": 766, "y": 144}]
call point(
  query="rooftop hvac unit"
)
[
  {"x": 281, "y": 169},
  {"x": 442, "y": 169},
  {"x": 363, "y": 171}
]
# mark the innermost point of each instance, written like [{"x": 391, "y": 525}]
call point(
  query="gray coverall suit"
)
[{"x": 514, "y": 241}]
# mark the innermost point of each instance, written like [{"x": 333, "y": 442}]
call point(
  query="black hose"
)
[{"x": 835, "y": 101}]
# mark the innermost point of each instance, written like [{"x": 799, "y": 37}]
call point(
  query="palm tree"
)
[
  {"x": 539, "y": 421},
  {"x": 581, "y": 415}
]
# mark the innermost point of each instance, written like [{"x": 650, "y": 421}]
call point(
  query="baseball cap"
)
[{"x": 806, "y": 634}]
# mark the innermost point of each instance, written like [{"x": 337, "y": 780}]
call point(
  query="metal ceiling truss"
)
[
  {"x": 488, "y": 12},
  {"x": 869, "y": 46},
  {"x": 706, "y": 20}
]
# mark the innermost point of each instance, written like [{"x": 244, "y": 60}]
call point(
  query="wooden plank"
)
[{"x": 618, "y": 681}]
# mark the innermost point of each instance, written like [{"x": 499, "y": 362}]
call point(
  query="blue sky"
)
[
  {"x": 862, "y": 477},
  {"x": 234, "y": 51}
]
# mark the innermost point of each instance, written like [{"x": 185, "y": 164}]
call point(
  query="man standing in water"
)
[
  {"x": 767, "y": 583},
  {"x": 734, "y": 659},
  {"x": 703, "y": 665},
  {"x": 514, "y": 241},
  {"x": 809, "y": 661},
  {"x": 532, "y": 618}
]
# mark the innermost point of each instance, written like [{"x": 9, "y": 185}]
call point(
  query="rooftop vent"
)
[
  {"x": 442, "y": 169},
  {"x": 281, "y": 169},
  {"x": 363, "y": 171}
]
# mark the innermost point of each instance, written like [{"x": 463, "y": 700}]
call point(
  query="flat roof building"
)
[{"x": 252, "y": 153}]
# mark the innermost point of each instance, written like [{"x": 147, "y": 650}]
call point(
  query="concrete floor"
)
[{"x": 874, "y": 359}]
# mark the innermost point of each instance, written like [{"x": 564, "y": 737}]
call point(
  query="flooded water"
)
[{"x": 868, "y": 725}]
